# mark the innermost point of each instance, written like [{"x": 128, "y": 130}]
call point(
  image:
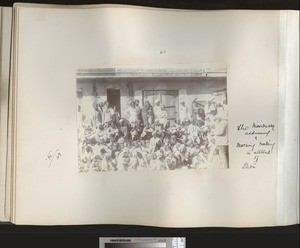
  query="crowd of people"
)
[{"x": 144, "y": 139}]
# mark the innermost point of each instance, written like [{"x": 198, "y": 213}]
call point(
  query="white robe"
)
[{"x": 183, "y": 112}]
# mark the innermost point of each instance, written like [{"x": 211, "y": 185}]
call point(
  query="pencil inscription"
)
[{"x": 53, "y": 155}]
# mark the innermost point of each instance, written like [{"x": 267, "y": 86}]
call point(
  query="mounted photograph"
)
[{"x": 152, "y": 118}]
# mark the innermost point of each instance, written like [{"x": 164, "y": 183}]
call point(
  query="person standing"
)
[
  {"x": 147, "y": 114},
  {"x": 156, "y": 110},
  {"x": 183, "y": 112},
  {"x": 132, "y": 113},
  {"x": 138, "y": 110},
  {"x": 107, "y": 112},
  {"x": 210, "y": 109},
  {"x": 221, "y": 141},
  {"x": 116, "y": 113},
  {"x": 163, "y": 116},
  {"x": 100, "y": 112},
  {"x": 195, "y": 107}
]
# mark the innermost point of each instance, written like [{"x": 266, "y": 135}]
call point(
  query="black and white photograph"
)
[{"x": 152, "y": 119}]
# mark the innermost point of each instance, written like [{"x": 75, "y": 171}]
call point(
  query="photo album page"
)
[{"x": 133, "y": 115}]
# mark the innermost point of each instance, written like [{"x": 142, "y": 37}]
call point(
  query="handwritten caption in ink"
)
[{"x": 257, "y": 142}]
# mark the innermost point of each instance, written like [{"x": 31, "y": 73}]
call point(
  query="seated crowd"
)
[{"x": 144, "y": 138}]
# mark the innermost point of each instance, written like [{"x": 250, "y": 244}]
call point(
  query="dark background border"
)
[
  {"x": 180, "y": 4},
  {"x": 88, "y": 236}
]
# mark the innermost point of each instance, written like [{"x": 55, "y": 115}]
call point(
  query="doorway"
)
[{"x": 113, "y": 97}]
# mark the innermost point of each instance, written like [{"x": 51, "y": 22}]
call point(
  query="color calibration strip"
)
[{"x": 136, "y": 245}]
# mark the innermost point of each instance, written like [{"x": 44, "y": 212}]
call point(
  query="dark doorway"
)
[{"x": 113, "y": 97}]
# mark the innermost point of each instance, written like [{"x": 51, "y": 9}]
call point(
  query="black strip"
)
[{"x": 179, "y": 4}]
